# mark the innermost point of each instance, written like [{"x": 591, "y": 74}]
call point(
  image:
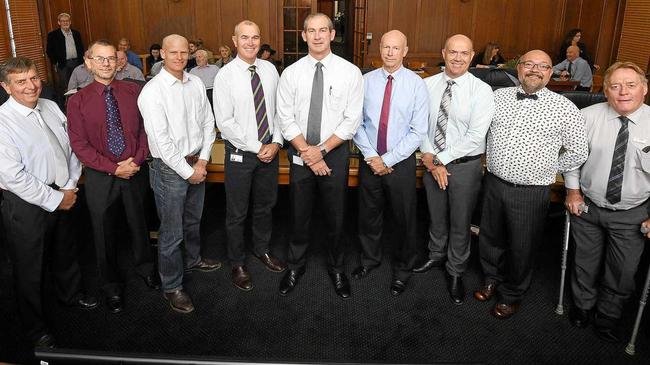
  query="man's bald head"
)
[
  {"x": 394, "y": 36},
  {"x": 393, "y": 49},
  {"x": 175, "y": 51},
  {"x": 173, "y": 38},
  {"x": 458, "y": 54},
  {"x": 459, "y": 39},
  {"x": 572, "y": 52}
]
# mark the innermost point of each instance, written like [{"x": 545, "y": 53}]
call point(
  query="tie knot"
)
[
  {"x": 319, "y": 65},
  {"x": 390, "y": 77},
  {"x": 624, "y": 120},
  {"x": 450, "y": 83},
  {"x": 108, "y": 89},
  {"x": 252, "y": 68}
]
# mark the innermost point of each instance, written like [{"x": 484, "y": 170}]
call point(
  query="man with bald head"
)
[
  {"x": 575, "y": 68},
  {"x": 180, "y": 131},
  {"x": 394, "y": 122},
  {"x": 125, "y": 70},
  {"x": 460, "y": 110},
  {"x": 535, "y": 134}
]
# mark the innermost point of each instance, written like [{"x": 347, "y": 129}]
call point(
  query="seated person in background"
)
[
  {"x": 80, "y": 76},
  {"x": 205, "y": 71},
  {"x": 226, "y": 56},
  {"x": 154, "y": 56},
  {"x": 575, "y": 68},
  {"x": 490, "y": 57},
  {"x": 266, "y": 52},
  {"x": 124, "y": 45},
  {"x": 125, "y": 70},
  {"x": 155, "y": 69}
]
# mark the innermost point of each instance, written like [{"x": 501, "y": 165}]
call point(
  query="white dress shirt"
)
[
  {"x": 470, "y": 113},
  {"x": 234, "y": 107},
  {"x": 342, "y": 97},
  {"x": 27, "y": 163},
  {"x": 177, "y": 119},
  {"x": 602, "y": 130}
]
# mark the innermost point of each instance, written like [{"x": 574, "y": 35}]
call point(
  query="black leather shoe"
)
[
  {"x": 361, "y": 272},
  {"x": 428, "y": 265},
  {"x": 579, "y": 317},
  {"x": 114, "y": 304},
  {"x": 604, "y": 327},
  {"x": 341, "y": 284},
  {"x": 290, "y": 280},
  {"x": 205, "y": 265},
  {"x": 242, "y": 278},
  {"x": 152, "y": 281},
  {"x": 397, "y": 287},
  {"x": 456, "y": 289},
  {"x": 46, "y": 340},
  {"x": 83, "y": 301}
]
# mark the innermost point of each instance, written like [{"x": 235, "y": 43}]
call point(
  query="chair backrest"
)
[
  {"x": 597, "y": 84},
  {"x": 583, "y": 99},
  {"x": 496, "y": 77}
]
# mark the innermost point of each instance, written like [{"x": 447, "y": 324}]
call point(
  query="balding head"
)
[
  {"x": 175, "y": 51},
  {"x": 531, "y": 71},
  {"x": 572, "y": 52},
  {"x": 393, "y": 49},
  {"x": 458, "y": 54}
]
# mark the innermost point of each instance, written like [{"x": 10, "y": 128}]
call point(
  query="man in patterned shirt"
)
[{"x": 535, "y": 133}]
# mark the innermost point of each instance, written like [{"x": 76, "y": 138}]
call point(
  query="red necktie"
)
[{"x": 383, "y": 119}]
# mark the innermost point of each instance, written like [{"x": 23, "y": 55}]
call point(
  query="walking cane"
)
[
  {"x": 565, "y": 250},
  {"x": 630, "y": 348}
]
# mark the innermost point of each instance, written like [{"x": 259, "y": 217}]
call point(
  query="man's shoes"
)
[
  {"x": 205, "y": 265},
  {"x": 579, "y": 317},
  {"x": 180, "y": 301},
  {"x": 397, "y": 287},
  {"x": 152, "y": 281},
  {"x": 604, "y": 327},
  {"x": 505, "y": 311},
  {"x": 114, "y": 304},
  {"x": 486, "y": 292},
  {"x": 83, "y": 301},
  {"x": 428, "y": 265},
  {"x": 290, "y": 280},
  {"x": 341, "y": 284},
  {"x": 242, "y": 278},
  {"x": 272, "y": 263},
  {"x": 361, "y": 272},
  {"x": 456, "y": 289},
  {"x": 46, "y": 340}
]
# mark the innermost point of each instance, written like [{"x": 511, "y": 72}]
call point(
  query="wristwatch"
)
[
  {"x": 437, "y": 162},
  {"x": 323, "y": 151}
]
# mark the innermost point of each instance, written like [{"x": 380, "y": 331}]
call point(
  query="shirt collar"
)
[
  {"x": 460, "y": 80},
  {"x": 243, "y": 65},
  {"x": 634, "y": 117},
  {"x": 543, "y": 92},
  {"x": 171, "y": 79},
  {"x": 325, "y": 61},
  {"x": 396, "y": 75},
  {"x": 20, "y": 108},
  {"x": 98, "y": 87},
  {"x": 69, "y": 32}
]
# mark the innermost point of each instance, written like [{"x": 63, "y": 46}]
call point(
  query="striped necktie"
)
[
  {"x": 615, "y": 181},
  {"x": 260, "y": 107},
  {"x": 439, "y": 143}
]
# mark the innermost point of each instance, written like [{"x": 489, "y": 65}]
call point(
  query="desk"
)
[{"x": 557, "y": 85}]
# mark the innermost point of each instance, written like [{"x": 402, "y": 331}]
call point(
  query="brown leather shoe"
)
[
  {"x": 272, "y": 263},
  {"x": 180, "y": 301},
  {"x": 242, "y": 278},
  {"x": 205, "y": 265},
  {"x": 504, "y": 311},
  {"x": 485, "y": 293}
]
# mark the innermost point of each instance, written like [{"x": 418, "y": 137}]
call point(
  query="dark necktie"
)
[
  {"x": 439, "y": 139},
  {"x": 383, "y": 119},
  {"x": 315, "y": 107},
  {"x": 569, "y": 69},
  {"x": 114, "y": 132},
  {"x": 260, "y": 107},
  {"x": 522, "y": 96},
  {"x": 615, "y": 181}
]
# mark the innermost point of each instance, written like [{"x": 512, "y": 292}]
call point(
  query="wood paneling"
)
[{"x": 635, "y": 33}]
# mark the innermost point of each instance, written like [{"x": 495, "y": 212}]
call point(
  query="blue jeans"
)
[{"x": 179, "y": 205}]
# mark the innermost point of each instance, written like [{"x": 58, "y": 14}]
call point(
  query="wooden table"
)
[{"x": 558, "y": 85}]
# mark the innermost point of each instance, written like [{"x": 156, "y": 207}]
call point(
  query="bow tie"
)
[{"x": 522, "y": 96}]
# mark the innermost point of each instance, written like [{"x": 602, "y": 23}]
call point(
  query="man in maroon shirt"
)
[{"x": 107, "y": 134}]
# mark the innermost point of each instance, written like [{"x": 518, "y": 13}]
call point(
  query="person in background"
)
[
  {"x": 575, "y": 68},
  {"x": 205, "y": 71},
  {"x": 154, "y": 56},
  {"x": 226, "y": 56},
  {"x": 574, "y": 38},
  {"x": 490, "y": 57},
  {"x": 81, "y": 76},
  {"x": 125, "y": 70},
  {"x": 65, "y": 51},
  {"x": 266, "y": 52},
  {"x": 124, "y": 45}
]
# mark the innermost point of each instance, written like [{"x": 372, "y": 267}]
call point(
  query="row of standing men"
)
[{"x": 318, "y": 104}]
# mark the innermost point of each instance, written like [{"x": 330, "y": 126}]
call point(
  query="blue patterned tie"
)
[
  {"x": 260, "y": 107},
  {"x": 115, "y": 134}
]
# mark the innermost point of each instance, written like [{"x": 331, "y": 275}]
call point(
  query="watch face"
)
[{"x": 436, "y": 162}]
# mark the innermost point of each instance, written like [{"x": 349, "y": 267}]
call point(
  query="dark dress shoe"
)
[
  {"x": 341, "y": 284},
  {"x": 114, "y": 304},
  {"x": 46, "y": 340},
  {"x": 397, "y": 287},
  {"x": 152, "y": 281},
  {"x": 180, "y": 301},
  {"x": 242, "y": 278},
  {"x": 504, "y": 310},
  {"x": 579, "y": 317},
  {"x": 290, "y": 280},
  {"x": 361, "y": 272},
  {"x": 428, "y": 265},
  {"x": 205, "y": 265},
  {"x": 456, "y": 289},
  {"x": 604, "y": 326},
  {"x": 272, "y": 263},
  {"x": 485, "y": 293},
  {"x": 83, "y": 301}
]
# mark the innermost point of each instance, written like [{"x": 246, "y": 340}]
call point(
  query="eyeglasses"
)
[
  {"x": 529, "y": 65},
  {"x": 99, "y": 59}
]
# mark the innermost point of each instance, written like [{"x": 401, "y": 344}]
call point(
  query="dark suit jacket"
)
[{"x": 56, "y": 47}]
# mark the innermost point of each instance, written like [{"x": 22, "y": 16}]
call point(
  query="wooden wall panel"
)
[
  {"x": 517, "y": 29},
  {"x": 431, "y": 35},
  {"x": 635, "y": 34}
]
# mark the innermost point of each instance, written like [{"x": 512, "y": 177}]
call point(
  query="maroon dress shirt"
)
[{"x": 86, "y": 114}]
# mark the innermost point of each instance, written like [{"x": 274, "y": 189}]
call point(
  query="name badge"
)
[
  {"x": 234, "y": 157},
  {"x": 297, "y": 160}
]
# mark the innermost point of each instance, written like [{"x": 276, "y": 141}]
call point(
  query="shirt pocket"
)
[
  {"x": 642, "y": 158},
  {"x": 336, "y": 98}
]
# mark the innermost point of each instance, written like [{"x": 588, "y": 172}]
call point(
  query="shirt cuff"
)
[
  {"x": 444, "y": 157},
  {"x": 186, "y": 171},
  {"x": 56, "y": 197},
  {"x": 572, "y": 179},
  {"x": 254, "y": 146}
]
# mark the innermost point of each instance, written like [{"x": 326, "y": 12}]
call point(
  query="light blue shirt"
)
[
  {"x": 580, "y": 71},
  {"x": 470, "y": 114},
  {"x": 407, "y": 118}
]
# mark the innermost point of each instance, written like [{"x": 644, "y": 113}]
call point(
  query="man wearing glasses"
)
[
  {"x": 107, "y": 134},
  {"x": 535, "y": 133}
]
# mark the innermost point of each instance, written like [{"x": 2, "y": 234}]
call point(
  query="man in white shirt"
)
[
  {"x": 39, "y": 177},
  {"x": 180, "y": 131},
  {"x": 244, "y": 96},
  {"x": 320, "y": 100}
]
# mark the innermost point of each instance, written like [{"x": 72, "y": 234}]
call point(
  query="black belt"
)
[
  {"x": 191, "y": 159},
  {"x": 465, "y": 159},
  {"x": 54, "y": 186}
]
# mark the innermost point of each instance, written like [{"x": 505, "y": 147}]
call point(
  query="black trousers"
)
[
  {"x": 398, "y": 189},
  {"x": 609, "y": 246},
  {"x": 250, "y": 181},
  {"x": 103, "y": 191},
  {"x": 512, "y": 223},
  {"x": 332, "y": 189},
  {"x": 37, "y": 238}
]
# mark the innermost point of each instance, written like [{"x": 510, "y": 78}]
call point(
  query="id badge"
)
[
  {"x": 236, "y": 157},
  {"x": 297, "y": 160}
]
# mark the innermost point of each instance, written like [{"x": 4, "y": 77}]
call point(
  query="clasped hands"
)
[
  {"x": 267, "y": 152},
  {"x": 200, "y": 172},
  {"x": 313, "y": 157},
  {"x": 439, "y": 173},
  {"x": 378, "y": 166},
  {"x": 126, "y": 169}
]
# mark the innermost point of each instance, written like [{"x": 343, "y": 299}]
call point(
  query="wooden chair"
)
[
  {"x": 145, "y": 67},
  {"x": 597, "y": 84},
  {"x": 416, "y": 65}
]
